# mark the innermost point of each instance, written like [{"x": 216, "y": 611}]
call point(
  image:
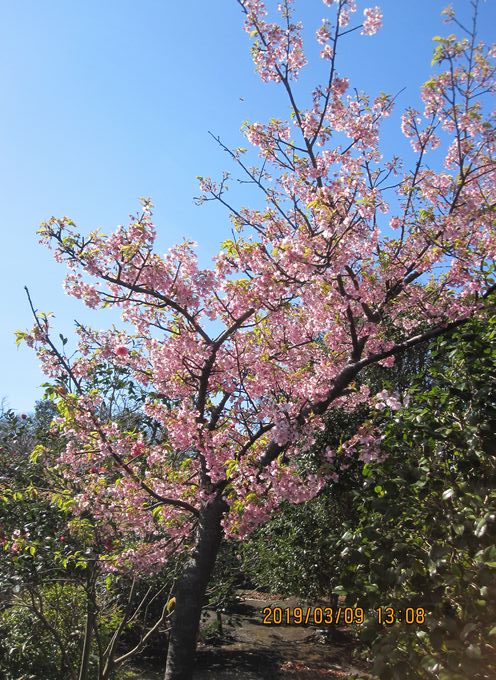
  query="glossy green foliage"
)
[
  {"x": 417, "y": 530},
  {"x": 425, "y": 531},
  {"x": 33, "y": 503}
]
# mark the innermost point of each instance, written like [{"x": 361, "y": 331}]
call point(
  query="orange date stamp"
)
[
  {"x": 328, "y": 616},
  {"x": 313, "y": 616}
]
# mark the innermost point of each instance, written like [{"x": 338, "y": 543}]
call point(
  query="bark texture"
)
[{"x": 190, "y": 593}]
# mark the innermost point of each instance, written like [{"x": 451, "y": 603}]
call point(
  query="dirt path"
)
[{"x": 251, "y": 650}]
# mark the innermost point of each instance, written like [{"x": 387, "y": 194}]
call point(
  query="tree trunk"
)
[
  {"x": 89, "y": 626},
  {"x": 190, "y": 593}
]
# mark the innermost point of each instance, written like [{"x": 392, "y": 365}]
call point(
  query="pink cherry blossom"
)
[{"x": 373, "y": 20}]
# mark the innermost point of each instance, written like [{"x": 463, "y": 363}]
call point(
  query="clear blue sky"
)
[{"x": 104, "y": 102}]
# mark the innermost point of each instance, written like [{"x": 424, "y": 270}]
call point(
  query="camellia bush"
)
[
  {"x": 352, "y": 260},
  {"x": 424, "y": 531},
  {"x": 416, "y": 531}
]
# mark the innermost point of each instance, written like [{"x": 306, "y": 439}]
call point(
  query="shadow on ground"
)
[{"x": 250, "y": 650}]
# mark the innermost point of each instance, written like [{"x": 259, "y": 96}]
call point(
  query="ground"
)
[{"x": 250, "y": 650}]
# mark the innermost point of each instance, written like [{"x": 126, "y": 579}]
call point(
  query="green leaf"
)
[
  {"x": 20, "y": 336},
  {"x": 473, "y": 652},
  {"x": 156, "y": 512},
  {"x": 480, "y": 528}
]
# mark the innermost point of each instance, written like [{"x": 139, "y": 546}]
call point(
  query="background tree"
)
[
  {"x": 241, "y": 362},
  {"x": 65, "y": 610}
]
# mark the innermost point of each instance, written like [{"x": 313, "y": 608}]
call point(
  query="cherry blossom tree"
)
[{"x": 352, "y": 260}]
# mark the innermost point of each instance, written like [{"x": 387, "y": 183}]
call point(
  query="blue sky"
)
[{"x": 104, "y": 102}]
